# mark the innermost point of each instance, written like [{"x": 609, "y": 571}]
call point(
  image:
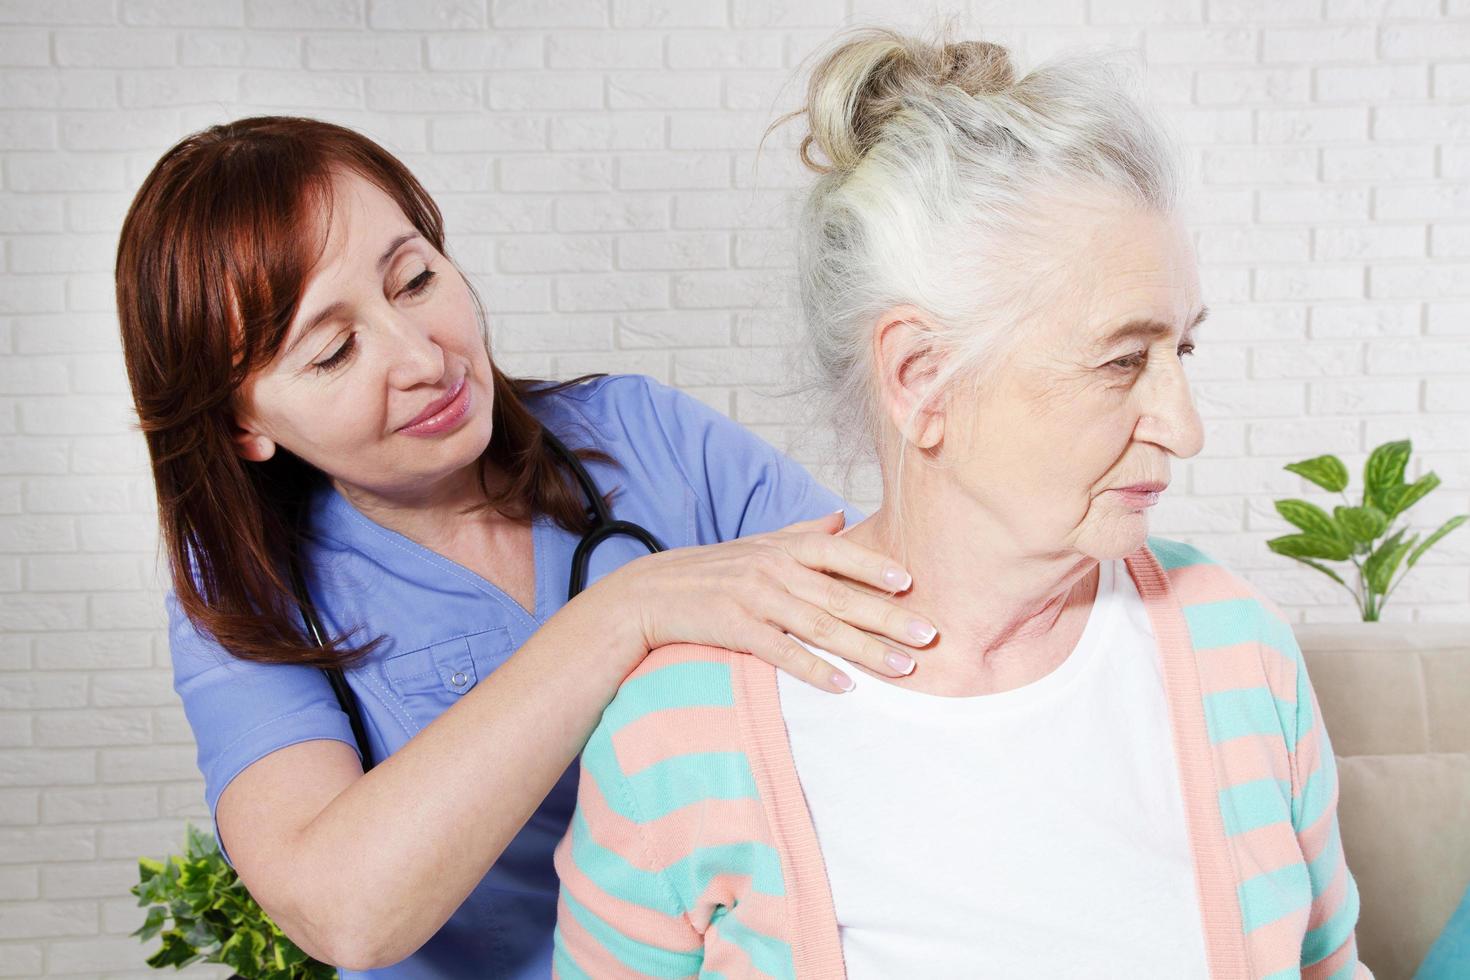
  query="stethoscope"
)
[{"x": 604, "y": 527}]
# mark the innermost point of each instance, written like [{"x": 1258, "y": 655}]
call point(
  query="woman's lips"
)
[
  {"x": 1138, "y": 498},
  {"x": 442, "y": 414}
]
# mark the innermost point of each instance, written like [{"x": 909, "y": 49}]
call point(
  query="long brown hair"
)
[{"x": 211, "y": 264}]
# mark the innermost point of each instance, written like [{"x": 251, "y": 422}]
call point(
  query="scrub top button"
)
[{"x": 459, "y": 679}]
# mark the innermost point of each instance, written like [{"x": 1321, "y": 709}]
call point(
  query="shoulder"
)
[
  {"x": 1246, "y": 652},
  {"x": 611, "y": 398},
  {"x": 672, "y": 686},
  {"x": 671, "y": 733},
  {"x": 1203, "y": 582},
  {"x": 613, "y": 411}
]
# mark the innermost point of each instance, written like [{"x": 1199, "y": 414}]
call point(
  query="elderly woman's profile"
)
[{"x": 1110, "y": 760}]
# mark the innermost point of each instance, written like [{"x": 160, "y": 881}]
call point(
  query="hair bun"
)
[
  {"x": 868, "y": 78},
  {"x": 978, "y": 67}
]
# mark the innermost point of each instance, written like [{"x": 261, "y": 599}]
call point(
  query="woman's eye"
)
[
  {"x": 337, "y": 357},
  {"x": 419, "y": 283},
  {"x": 1134, "y": 360}
]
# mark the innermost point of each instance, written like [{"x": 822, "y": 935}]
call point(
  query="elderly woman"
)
[{"x": 1111, "y": 761}]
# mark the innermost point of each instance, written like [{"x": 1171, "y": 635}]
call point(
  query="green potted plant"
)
[
  {"x": 1360, "y": 533},
  {"x": 214, "y": 919}
]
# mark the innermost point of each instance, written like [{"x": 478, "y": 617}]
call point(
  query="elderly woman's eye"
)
[{"x": 1134, "y": 360}]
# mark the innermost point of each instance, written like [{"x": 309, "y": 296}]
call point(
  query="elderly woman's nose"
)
[{"x": 1169, "y": 415}]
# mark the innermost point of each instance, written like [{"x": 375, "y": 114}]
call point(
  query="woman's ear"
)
[
  {"x": 907, "y": 362},
  {"x": 253, "y": 446},
  {"x": 250, "y": 442}
]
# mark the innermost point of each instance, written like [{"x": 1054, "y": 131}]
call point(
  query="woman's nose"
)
[
  {"x": 1170, "y": 418},
  {"x": 415, "y": 356}
]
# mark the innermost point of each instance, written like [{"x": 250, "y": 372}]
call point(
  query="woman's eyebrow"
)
[
  {"x": 394, "y": 246},
  {"x": 1148, "y": 328}
]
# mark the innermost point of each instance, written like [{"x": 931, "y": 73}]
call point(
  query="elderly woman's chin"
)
[{"x": 1115, "y": 527}]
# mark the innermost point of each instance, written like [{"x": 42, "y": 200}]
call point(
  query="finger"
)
[
  {"x": 826, "y": 524},
  {"x": 821, "y": 629},
  {"x": 784, "y": 653},
  {"x": 864, "y": 611},
  {"x": 840, "y": 556}
]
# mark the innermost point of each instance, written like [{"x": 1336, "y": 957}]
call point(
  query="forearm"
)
[{"x": 381, "y": 868}]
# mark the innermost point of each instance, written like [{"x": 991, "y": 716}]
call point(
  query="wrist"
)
[{"x": 610, "y": 612}]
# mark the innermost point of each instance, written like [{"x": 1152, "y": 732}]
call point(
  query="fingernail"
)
[
  {"x": 899, "y": 662},
  {"x": 842, "y": 681},
  {"x": 896, "y": 578},
  {"x": 921, "y": 630}
]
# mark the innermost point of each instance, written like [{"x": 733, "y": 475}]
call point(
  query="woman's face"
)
[
  {"x": 1078, "y": 412},
  {"x": 383, "y": 381}
]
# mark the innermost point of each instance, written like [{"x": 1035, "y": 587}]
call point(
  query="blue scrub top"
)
[{"x": 686, "y": 473}]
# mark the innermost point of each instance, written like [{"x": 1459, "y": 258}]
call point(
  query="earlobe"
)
[{"x": 252, "y": 446}]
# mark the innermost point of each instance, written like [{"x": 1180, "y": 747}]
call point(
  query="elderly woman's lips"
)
[{"x": 1138, "y": 498}]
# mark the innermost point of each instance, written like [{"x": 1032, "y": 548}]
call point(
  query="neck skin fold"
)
[{"x": 1006, "y": 615}]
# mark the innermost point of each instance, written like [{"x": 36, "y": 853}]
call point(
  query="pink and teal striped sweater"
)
[{"x": 692, "y": 853}]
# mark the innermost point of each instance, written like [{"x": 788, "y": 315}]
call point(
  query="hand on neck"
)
[{"x": 1007, "y": 615}]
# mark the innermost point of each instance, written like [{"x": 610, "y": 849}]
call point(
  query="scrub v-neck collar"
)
[{"x": 335, "y": 517}]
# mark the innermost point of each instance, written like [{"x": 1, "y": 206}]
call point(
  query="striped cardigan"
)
[{"x": 692, "y": 852}]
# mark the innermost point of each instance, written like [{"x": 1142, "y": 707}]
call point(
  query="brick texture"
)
[{"x": 596, "y": 162}]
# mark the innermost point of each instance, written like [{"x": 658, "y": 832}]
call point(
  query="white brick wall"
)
[{"x": 596, "y": 162}]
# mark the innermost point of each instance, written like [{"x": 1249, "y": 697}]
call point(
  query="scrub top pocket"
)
[{"x": 432, "y": 678}]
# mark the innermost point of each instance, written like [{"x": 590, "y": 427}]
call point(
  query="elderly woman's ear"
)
[{"x": 908, "y": 362}]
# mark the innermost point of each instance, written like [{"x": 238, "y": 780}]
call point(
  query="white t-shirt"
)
[{"x": 1036, "y": 832}]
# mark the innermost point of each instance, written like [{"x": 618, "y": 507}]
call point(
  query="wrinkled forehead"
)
[{"x": 1115, "y": 266}]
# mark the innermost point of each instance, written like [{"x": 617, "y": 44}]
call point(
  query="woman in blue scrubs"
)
[{"x": 312, "y": 376}]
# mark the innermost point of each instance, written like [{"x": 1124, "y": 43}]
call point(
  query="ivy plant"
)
[
  {"x": 1359, "y": 533},
  {"x": 202, "y": 912}
]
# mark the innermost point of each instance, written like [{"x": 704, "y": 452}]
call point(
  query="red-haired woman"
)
[{"x": 312, "y": 375}]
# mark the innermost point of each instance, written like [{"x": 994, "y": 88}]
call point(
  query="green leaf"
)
[
  {"x": 1444, "y": 529},
  {"x": 157, "y": 916},
  {"x": 214, "y": 918},
  {"x": 1327, "y": 472},
  {"x": 1310, "y": 546},
  {"x": 1401, "y": 498},
  {"x": 200, "y": 844},
  {"x": 1380, "y": 566},
  {"x": 1324, "y": 569},
  {"x": 1361, "y": 523},
  {"x": 1309, "y": 517},
  {"x": 175, "y": 952},
  {"x": 243, "y": 951},
  {"x": 1384, "y": 470}
]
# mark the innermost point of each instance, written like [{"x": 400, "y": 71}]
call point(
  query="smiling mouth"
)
[{"x": 442, "y": 411}]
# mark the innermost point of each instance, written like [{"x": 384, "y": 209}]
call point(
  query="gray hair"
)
[{"x": 940, "y": 189}]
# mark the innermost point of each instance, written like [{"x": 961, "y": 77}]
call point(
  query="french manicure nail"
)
[
  {"x": 899, "y": 662},
  {"x": 842, "y": 680},
  {"x": 921, "y": 630},
  {"x": 897, "y": 579}
]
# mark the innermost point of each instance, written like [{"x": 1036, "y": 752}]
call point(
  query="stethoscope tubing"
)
[{"x": 604, "y": 527}]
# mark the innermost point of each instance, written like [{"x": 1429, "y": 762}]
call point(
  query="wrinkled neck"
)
[{"x": 995, "y": 601}]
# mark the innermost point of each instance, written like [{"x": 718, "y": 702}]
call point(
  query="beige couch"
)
[{"x": 1396, "y": 699}]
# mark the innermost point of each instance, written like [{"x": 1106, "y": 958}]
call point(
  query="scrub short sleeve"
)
[
  {"x": 241, "y": 711},
  {"x": 749, "y": 486}
]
